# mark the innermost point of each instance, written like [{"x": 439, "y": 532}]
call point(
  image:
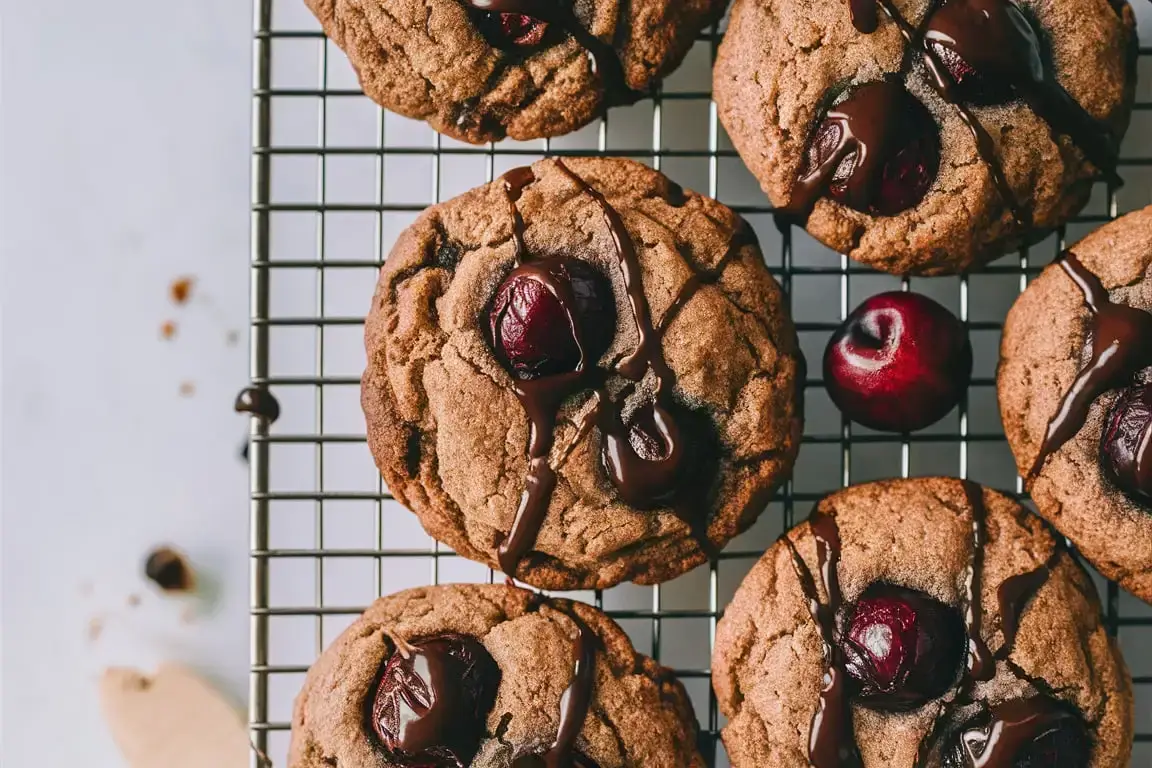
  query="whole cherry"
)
[
  {"x": 901, "y": 648},
  {"x": 899, "y": 363},
  {"x": 550, "y": 316},
  {"x": 431, "y": 704},
  {"x": 1126, "y": 445}
]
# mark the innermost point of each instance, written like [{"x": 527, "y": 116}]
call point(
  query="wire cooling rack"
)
[{"x": 336, "y": 179}]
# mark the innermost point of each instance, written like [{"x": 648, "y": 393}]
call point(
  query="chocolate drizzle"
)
[
  {"x": 1016, "y": 592},
  {"x": 981, "y": 664},
  {"x": 1121, "y": 347},
  {"x": 605, "y": 61},
  {"x": 994, "y": 42},
  {"x": 645, "y": 459},
  {"x": 1015, "y": 726},
  {"x": 575, "y": 702},
  {"x": 831, "y": 743}
]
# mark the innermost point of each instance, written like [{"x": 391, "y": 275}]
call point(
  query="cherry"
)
[
  {"x": 549, "y": 316},
  {"x": 899, "y": 363},
  {"x": 901, "y": 648},
  {"x": 431, "y": 705},
  {"x": 1023, "y": 733},
  {"x": 512, "y": 30},
  {"x": 1126, "y": 446}
]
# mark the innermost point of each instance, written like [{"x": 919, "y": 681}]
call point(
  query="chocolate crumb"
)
[
  {"x": 169, "y": 570},
  {"x": 258, "y": 401},
  {"x": 181, "y": 290}
]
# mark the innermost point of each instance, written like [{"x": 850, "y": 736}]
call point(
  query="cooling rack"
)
[{"x": 336, "y": 179}]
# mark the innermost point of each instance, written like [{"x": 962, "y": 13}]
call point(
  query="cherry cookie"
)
[
  {"x": 480, "y": 70},
  {"x": 925, "y": 622},
  {"x": 489, "y": 676},
  {"x": 927, "y": 136},
  {"x": 582, "y": 374},
  {"x": 1075, "y": 387}
]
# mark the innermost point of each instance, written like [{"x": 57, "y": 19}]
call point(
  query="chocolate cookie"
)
[
  {"x": 927, "y": 136},
  {"x": 489, "y": 676},
  {"x": 924, "y": 622},
  {"x": 582, "y": 374},
  {"x": 1075, "y": 386},
  {"x": 480, "y": 70}
]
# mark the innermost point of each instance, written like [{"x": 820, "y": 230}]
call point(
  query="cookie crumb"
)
[
  {"x": 181, "y": 289},
  {"x": 133, "y": 600},
  {"x": 187, "y": 389},
  {"x": 169, "y": 570},
  {"x": 168, "y": 330},
  {"x": 95, "y": 628}
]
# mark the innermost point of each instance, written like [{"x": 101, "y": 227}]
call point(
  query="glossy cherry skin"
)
[
  {"x": 512, "y": 31},
  {"x": 1025, "y": 733},
  {"x": 432, "y": 700},
  {"x": 901, "y": 648},
  {"x": 546, "y": 312},
  {"x": 1126, "y": 445},
  {"x": 899, "y": 363}
]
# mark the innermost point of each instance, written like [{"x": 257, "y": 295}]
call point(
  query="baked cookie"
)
[
  {"x": 927, "y": 136},
  {"x": 489, "y": 676},
  {"x": 925, "y": 622},
  {"x": 480, "y": 70},
  {"x": 1075, "y": 387},
  {"x": 582, "y": 374}
]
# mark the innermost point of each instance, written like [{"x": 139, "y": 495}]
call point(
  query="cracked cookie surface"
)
[
  {"x": 769, "y": 663},
  {"x": 477, "y": 79},
  {"x": 451, "y": 437},
  {"x": 783, "y": 62},
  {"x": 639, "y": 716},
  {"x": 1046, "y": 340}
]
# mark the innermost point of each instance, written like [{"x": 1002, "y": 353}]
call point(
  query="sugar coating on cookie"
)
[
  {"x": 1026, "y": 614},
  {"x": 525, "y": 69},
  {"x": 1018, "y": 131},
  {"x": 636, "y": 713},
  {"x": 1081, "y": 456},
  {"x": 581, "y": 464}
]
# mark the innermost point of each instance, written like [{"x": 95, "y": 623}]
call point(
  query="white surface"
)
[{"x": 125, "y": 164}]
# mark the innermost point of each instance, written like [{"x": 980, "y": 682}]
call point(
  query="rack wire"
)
[{"x": 335, "y": 180}]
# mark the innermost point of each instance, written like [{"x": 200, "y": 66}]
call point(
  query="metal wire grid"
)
[{"x": 971, "y": 444}]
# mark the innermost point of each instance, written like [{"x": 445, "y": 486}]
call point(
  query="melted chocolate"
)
[
  {"x": 575, "y": 702},
  {"x": 1014, "y": 594},
  {"x": 1016, "y": 727},
  {"x": 514, "y": 183},
  {"x": 831, "y": 743},
  {"x": 981, "y": 664},
  {"x": 259, "y": 402},
  {"x": 864, "y": 16},
  {"x": 1121, "y": 347},
  {"x": 605, "y": 61}
]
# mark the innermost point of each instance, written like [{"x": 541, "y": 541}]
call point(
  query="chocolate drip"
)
[
  {"x": 831, "y": 743},
  {"x": 863, "y": 126},
  {"x": 1013, "y": 728},
  {"x": 1015, "y": 593},
  {"x": 864, "y": 15},
  {"x": 514, "y": 182},
  {"x": 605, "y": 61},
  {"x": 995, "y": 39},
  {"x": 259, "y": 402},
  {"x": 576, "y": 700},
  {"x": 942, "y": 82},
  {"x": 1121, "y": 347},
  {"x": 981, "y": 663}
]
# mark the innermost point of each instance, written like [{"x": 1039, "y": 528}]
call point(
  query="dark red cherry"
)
[
  {"x": 549, "y": 311},
  {"x": 894, "y": 150},
  {"x": 1022, "y": 733},
  {"x": 901, "y": 648},
  {"x": 432, "y": 702},
  {"x": 512, "y": 30},
  {"x": 899, "y": 363},
  {"x": 988, "y": 47},
  {"x": 1126, "y": 446}
]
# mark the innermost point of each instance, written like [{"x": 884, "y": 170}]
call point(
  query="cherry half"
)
[
  {"x": 899, "y": 363},
  {"x": 1126, "y": 445},
  {"x": 432, "y": 702},
  {"x": 549, "y": 316},
  {"x": 901, "y": 648}
]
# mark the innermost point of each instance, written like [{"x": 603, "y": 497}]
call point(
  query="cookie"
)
[
  {"x": 925, "y": 622},
  {"x": 489, "y": 676},
  {"x": 481, "y": 70},
  {"x": 582, "y": 374},
  {"x": 927, "y": 136},
  {"x": 1075, "y": 389}
]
